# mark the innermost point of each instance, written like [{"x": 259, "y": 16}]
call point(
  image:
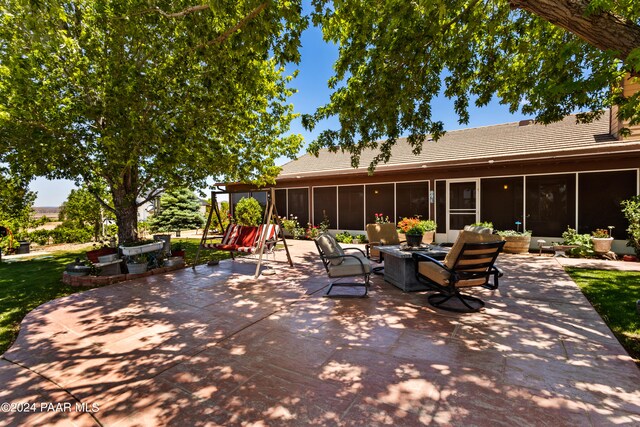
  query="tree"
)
[
  {"x": 16, "y": 201},
  {"x": 147, "y": 96},
  {"x": 82, "y": 210},
  {"x": 179, "y": 210},
  {"x": 396, "y": 57}
]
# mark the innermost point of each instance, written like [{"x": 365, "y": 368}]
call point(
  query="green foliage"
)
[
  {"x": 223, "y": 207},
  {"x": 600, "y": 233},
  {"x": 26, "y": 284},
  {"x": 179, "y": 210},
  {"x": 82, "y": 210},
  {"x": 613, "y": 294},
  {"x": 485, "y": 224},
  {"x": 16, "y": 202},
  {"x": 344, "y": 237},
  {"x": 147, "y": 96},
  {"x": 361, "y": 238},
  {"x": 396, "y": 58},
  {"x": 312, "y": 231},
  {"x": 507, "y": 233},
  {"x": 248, "y": 212},
  {"x": 292, "y": 226},
  {"x": 428, "y": 225},
  {"x": 583, "y": 241},
  {"x": 631, "y": 211}
]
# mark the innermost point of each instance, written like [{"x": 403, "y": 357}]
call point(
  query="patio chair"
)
[
  {"x": 469, "y": 263},
  {"x": 380, "y": 235},
  {"x": 340, "y": 265}
]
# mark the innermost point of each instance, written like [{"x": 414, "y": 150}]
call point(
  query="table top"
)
[{"x": 397, "y": 250}]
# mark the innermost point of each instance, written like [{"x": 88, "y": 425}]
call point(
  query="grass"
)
[
  {"x": 614, "y": 294},
  {"x": 27, "y": 283}
]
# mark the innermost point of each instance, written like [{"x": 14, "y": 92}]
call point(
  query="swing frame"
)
[{"x": 271, "y": 214}]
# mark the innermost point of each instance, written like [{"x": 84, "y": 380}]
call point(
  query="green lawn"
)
[
  {"x": 614, "y": 295},
  {"x": 25, "y": 284}
]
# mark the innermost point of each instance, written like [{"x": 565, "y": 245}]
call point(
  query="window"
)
[
  {"x": 298, "y": 205},
  {"x": 351, "y": 207},
  {"x": 325, "y": 203},
  {"x": 281, "y": 202},
  {"x": 379, "y": 200},
  {"x": 441, "y": 206},
  {"x": 501, "y": 202},
  {"x": 599, "y": 197},
  {"x": 412, "y": 199},
  {"x": 551, "y": 204}
]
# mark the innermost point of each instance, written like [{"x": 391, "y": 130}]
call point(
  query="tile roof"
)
[{"x": 508, "y": 141}]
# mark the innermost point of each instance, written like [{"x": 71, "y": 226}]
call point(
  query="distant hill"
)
[{"x": 48, "y": 211}]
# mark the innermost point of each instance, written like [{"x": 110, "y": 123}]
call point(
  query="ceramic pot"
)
[
  {"x": 602, "y": 245},
  {"x": 414, "y": 240},
  {"x": 516, "y": 244}
]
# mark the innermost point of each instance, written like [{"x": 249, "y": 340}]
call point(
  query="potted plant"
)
[
  {"x": 138, "y": 264},
  {"x": 601, "y": 240},
  {"x": 429, "y": 231},
  {"x": 412, "y": 230},
  {"x": 517, "y": 242},
  {"x": 177, "y": 249}
]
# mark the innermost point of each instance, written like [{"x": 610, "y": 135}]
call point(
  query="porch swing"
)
[{"x": 259, "y": 240}]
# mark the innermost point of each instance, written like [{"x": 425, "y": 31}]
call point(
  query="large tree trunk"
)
[
  {"x": 126, "y": 208},
  {"x": 603, "y": 30}
]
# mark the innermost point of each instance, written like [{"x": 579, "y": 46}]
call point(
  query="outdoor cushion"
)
[
  {"x": 384, "y": 234},
  {"x": 350, "y": 267},
  {"x": 467, "y": 237},
  {"x": 330, "y": 248},
  {"x": 441, "y": 276}
]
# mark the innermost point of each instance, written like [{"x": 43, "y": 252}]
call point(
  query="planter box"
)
[
  {"x": 516, "y": 244},
  {"x": 602, "y": 245},
  {"x": 136, "y": 268},
  {"x": 94, "y": 255},
  {"x": 142, "y": 249}
]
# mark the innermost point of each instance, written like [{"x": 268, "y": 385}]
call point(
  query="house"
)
[{"x": 546, "y": 177}]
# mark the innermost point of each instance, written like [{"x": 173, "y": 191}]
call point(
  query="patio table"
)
[{"x": 399, "y": 269}]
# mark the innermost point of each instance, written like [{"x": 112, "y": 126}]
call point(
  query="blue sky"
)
[{"x": 315, "y": 70}]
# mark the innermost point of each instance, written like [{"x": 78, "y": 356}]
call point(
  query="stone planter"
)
[
  {"x": 516, "y": 244},
  {"x": 142, "y": 249},
  {"x": 414, "y": 240},
  {"x": 602, "y": 245},
  {"x": 428, "y": 237},
  {"x": 135, "y": 268}
]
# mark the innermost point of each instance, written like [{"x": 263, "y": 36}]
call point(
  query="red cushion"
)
[{"x": 247, "y": 236}]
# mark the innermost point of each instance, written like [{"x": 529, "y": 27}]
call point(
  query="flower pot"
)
[
  {"x": 516, "y": 244},
  {"x": 142, "y": 249},
  {"x": 136, "y": 268},
  {"x": 428, "y": 237},
  {"x": 414, "y": 240},
  {"x": 94, "y": 255},
  {"x": 602, "y": 245}
]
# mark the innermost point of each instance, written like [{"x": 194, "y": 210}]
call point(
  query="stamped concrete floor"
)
[{"x": 216, "y": 347}]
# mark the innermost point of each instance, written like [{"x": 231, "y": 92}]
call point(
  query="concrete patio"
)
[{"x": 217, "y": 347}]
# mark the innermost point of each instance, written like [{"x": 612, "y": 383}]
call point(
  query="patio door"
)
[{"x": 462, "y": 202}]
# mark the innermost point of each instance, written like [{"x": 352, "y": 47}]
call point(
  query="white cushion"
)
[{"x": 330, "y": 247}]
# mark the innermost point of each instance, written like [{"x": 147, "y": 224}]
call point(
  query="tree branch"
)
[
  {"x": 604, "y": 30},
  {"x": 222, "y": 37},
  {"x": 152, "y": 195}
]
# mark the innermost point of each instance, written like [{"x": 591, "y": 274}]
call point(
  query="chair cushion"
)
[
  {"x": 467, "y": 237},
  {"x": 434, "y": 272},
  {"x": 478, "y": 229},
  {"x": 384, "y": 234},
  {"x": 330, "y": 247},
  {"x": 350, "y": 266}
]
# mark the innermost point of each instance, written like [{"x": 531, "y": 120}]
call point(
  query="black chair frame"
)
[
  {"x": 326, "y": 260},
  {"x": 464, "y": 271}
]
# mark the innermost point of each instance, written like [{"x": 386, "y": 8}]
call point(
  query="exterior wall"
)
[
  {"x": 593, "y": 163},
  {"x": 629, "y": 88}
]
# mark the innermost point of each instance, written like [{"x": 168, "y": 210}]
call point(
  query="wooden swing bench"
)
[{"x": 245, "y": 239}]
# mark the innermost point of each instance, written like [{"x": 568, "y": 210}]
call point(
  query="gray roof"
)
[{"x": 507, "y": 141}]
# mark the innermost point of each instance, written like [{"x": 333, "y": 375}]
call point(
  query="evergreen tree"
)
[{"x": 179, "y": 210}]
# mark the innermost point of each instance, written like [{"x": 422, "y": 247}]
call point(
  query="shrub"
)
[
  {"x": 428, "y": 225},
  {"x": 631, "y": 210},
  {"x": 361, "y": 238},
  {"x": 485, "y": 224},
  {"x": 290, "y": 224},
  {"x": 312, "y": 231},
  {"x": 509, "y": 233},
  {"x": 248, "y": 212},
  {"x": 344, "y": 237},
  {"x": 583, "y": 241},
  {"x": 62, "y": 234}
]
